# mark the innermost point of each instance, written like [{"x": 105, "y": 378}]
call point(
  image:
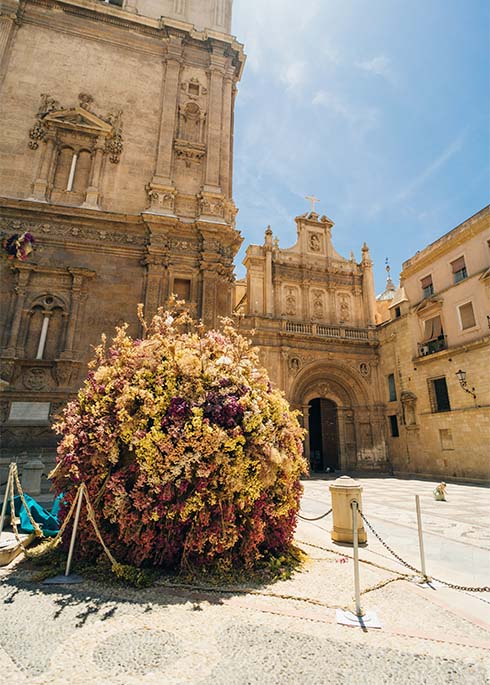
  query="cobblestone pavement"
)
[{"x": 283, "y": 633}]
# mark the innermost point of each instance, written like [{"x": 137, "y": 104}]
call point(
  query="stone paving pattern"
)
[{"x": 284, "y": 634}]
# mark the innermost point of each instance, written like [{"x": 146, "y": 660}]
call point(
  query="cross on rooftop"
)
[{"x": 313, "y": 201}]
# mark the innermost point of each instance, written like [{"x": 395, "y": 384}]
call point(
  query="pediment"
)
[
  {"x": 79, "y": 119},
  {"x": 429, "y": 305}
]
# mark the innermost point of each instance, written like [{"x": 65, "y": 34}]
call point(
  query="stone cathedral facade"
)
[{"x": 116, "y": 154}]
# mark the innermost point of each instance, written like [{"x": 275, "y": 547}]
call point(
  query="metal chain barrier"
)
[
  {"x": 392, "y": 552},
  {"x": 453, "y": 586},
  {"x": 317, "y": 518}
]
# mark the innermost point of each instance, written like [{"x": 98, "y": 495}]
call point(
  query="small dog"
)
[{"x": 440, "y": 493}]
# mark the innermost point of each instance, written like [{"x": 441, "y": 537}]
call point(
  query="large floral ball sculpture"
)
[{"x": 190, "y": 458}]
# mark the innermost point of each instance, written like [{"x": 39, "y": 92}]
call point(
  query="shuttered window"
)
[
  {"x": 459, "y": 269},
  {"x": 467, "y": 316},
  {"x": 427, "y": 286}
]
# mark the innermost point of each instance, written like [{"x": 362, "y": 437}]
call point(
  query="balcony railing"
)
[
  {"x": 325, "y": 330},
  {"x": 433, "y": 346}
]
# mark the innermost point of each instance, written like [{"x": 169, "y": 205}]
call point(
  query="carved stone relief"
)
[
  {"x": 315, "y": 242},
  {"x": 318, "y": 308},
  {"x": 36, "y": 378},
  {"x": 344, "y": 307}
]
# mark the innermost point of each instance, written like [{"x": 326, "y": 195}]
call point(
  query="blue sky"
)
[{"x": 380, "y": 108}]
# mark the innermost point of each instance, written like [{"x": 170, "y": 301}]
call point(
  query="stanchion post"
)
[
  {"x": 74, "y": 531},
  {"x": 5, "y": 498},
  {"x": 421, "y": 537},
  {"x": 355, "y": 538}
]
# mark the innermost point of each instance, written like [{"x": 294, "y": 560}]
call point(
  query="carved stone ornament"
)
[
  {"x": 63, "y": 371},
  {"x": 290, "y": 301},
  {"x": 211, "y": 205},
  {"x": 162, "y": 199},
  {"x": 36, "y": 378},
  {"x": 7, "y": 368},
  {"x": 364, "y": 369},
  {"x": 315, "y": 243},
  {"x": 294, "y": 364},
  {"x": 409, "y": 404},
  {"x": 51, "y": 115},
  {"x": 189, "y": 152}
]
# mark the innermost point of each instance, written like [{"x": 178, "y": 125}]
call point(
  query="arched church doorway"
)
[{"x": 323, "y": 429}]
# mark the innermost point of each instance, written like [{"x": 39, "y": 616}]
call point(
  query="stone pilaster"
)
[
  {"x": 42, "y": 180},
  {"x": 161, "y": 191},
  {"x": 226, "y": 125},
  {"x": 20, "y": 293},
  {"x": 215, "y": 115},
  {"x": 8, "y": 16}
]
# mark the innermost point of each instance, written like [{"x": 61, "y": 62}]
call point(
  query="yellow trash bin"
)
[{"x": 343, "y": 491}]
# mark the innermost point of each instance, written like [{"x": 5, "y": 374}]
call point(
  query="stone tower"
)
[{"x": 116, "y": 152}]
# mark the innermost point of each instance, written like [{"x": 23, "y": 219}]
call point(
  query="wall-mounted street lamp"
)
[{"x": 461, "y": 375}]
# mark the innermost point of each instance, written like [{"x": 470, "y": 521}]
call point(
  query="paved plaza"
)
[{"x": 282, "y": 633}]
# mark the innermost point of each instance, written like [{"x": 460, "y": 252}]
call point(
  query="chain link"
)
[
  {"x": 453, "y": 586},
  {"x": 317, "y": 518}
]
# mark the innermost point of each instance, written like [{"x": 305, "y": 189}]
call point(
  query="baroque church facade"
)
[{"x": 116, "y": 156}]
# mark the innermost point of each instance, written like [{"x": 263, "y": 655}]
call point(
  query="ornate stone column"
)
[
  {"x": 93, "y": 191},
  {"x": 161, "y": 190},
  {"x": 41, "y": 182}
]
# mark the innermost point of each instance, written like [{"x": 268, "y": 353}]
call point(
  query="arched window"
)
[{"x": 46, "y": 328}]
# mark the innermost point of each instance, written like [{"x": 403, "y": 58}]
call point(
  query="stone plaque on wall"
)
[{"x": 32, "y": 412}]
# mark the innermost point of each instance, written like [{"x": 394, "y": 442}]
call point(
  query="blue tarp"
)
[{"x": 47, "y": 520}]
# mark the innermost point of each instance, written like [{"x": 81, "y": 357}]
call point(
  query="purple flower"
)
[
  {"x": 177, "y": 412},
  {"x": 224, "y": 411}
]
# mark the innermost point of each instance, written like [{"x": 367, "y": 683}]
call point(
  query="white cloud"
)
[
  {"x": 363, "y": 117},
  {"x": 294, "y": 75},
  {"x": 379, "y": 66}
]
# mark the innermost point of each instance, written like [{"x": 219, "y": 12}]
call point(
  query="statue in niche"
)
[
  {"x": 290, "y": 302},
  {"x": 318, "y": 304},
  {"x": 364, "y": 369},
  {"x": 294, "y": 364},
  {"x": 315, "y": 245},
  {"x": 344, "y": 307},
  {"x": 191, "y": 123}
]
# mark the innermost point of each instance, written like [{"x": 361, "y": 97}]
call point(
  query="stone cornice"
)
[
  {"x": 106, "y": 17},
  {"x": 458, "y": 236}
]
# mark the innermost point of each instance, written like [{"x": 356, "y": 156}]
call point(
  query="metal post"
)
[
  {"x": 5, "y": 499},
  {"x": 74, "y": 531},
  {"x": 421, "y": 538},
  {"x": 355, "y": 538}
]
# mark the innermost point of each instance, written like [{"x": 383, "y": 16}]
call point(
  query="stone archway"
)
[{"x": 337, "y": 402}]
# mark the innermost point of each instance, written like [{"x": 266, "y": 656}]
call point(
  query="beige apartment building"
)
[{"x": 435, "y": 357}]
